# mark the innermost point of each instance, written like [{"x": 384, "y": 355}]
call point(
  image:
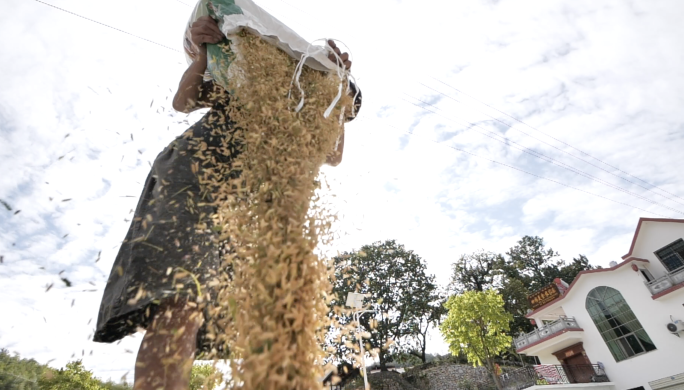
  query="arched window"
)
[{"x": 616, "y": 322}]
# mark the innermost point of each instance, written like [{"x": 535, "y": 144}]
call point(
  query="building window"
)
[
  {"x": 619, "y": 327},
  {"x": 672, "y": 256}
]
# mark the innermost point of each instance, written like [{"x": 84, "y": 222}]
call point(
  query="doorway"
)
[
  {"x": 578, "y": 369},
  {"x": 576, "y": 364}
]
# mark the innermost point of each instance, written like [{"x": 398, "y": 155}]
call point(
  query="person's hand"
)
[
  {"x": 204, "y": 30},
  {"x": 343, "y": 56}
]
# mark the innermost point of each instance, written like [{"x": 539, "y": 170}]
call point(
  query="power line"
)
[
  {"x": 559, "y": 149},
  {"x": 558, "y": 140},
  {"x": 530, "y": 173},
  {"x": 541, "y": 156},
  {"x": 531, "y": 152},
  {"x": 555, "y": 162},
  {"x": 106, "y": 25},
  {"x": 506, "y": 142}
]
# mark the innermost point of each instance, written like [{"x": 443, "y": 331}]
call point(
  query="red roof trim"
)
[
  {"x": 636, "y": 233},
  {"x": 667, "y": 291},
  {"x": 590, "y": 271},
  {"x": 549, "y": 338}
]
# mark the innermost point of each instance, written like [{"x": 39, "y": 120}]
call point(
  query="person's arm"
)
[
  {"x": 336, "y": 157},
  {"x": 189, "y": 96}
]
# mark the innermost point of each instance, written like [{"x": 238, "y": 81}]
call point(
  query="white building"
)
[{"x": 624, "y": 317}]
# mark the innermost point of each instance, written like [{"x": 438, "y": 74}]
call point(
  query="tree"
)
[
  {"x": 27, "y": 374},
  {"x": 17, "y": 373},
  {"x": 475, "y": 272},
  {"x": 569, "y": 272},
  {"x": 399, "y": 290},
  {"x": 529, "y": 267},
  {"x": 531, "y": 262},
  {"x": 514, "y": 293},
  {"x": 204, "y": 377},
  {"x": 477, "y": 325},
  {"x": 74, "y": 377},
  {"x": 117, "y": 386},
  {"x": 429, "y": 312},
  {"x": 406, "y": 359}
]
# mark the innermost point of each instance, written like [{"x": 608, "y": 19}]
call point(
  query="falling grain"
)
[{"x": 273, "y": 220}]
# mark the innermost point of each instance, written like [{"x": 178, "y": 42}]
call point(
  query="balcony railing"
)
[
  {"x": 546, "y": 331},
  {"x": 667, "y": 281},
  {"x": 549, "y": 374}
]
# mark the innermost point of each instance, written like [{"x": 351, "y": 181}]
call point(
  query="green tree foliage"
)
[
  {"x": 527, "y": 267},
  {"x": 514, "y": 293},
  {"x": 204, "y": 377},
  {"x": 569, "y": 271},
  {"x": 27, "y": 374},
  {"x": 17, "y": 373},
  {"x": 116, "y": 386},
  {"x": 530, "y": 261},
  {"x": 73, "y": 377},
  {"x": 477, "y": 325},
  {"x": 429, "y": 312},
  {"x": 404, "y": 359},
  {"x": 403, "y": 296},
  {"x": 475, "y": 272}
]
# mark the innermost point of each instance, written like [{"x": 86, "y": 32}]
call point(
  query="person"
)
[{"x": 171, "y": 231}]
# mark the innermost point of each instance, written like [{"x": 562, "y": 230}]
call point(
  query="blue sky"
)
[{"x": 84, "y": 109}]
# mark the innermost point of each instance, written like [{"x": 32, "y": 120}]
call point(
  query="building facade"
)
[{"x": 617, "y": 328}]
